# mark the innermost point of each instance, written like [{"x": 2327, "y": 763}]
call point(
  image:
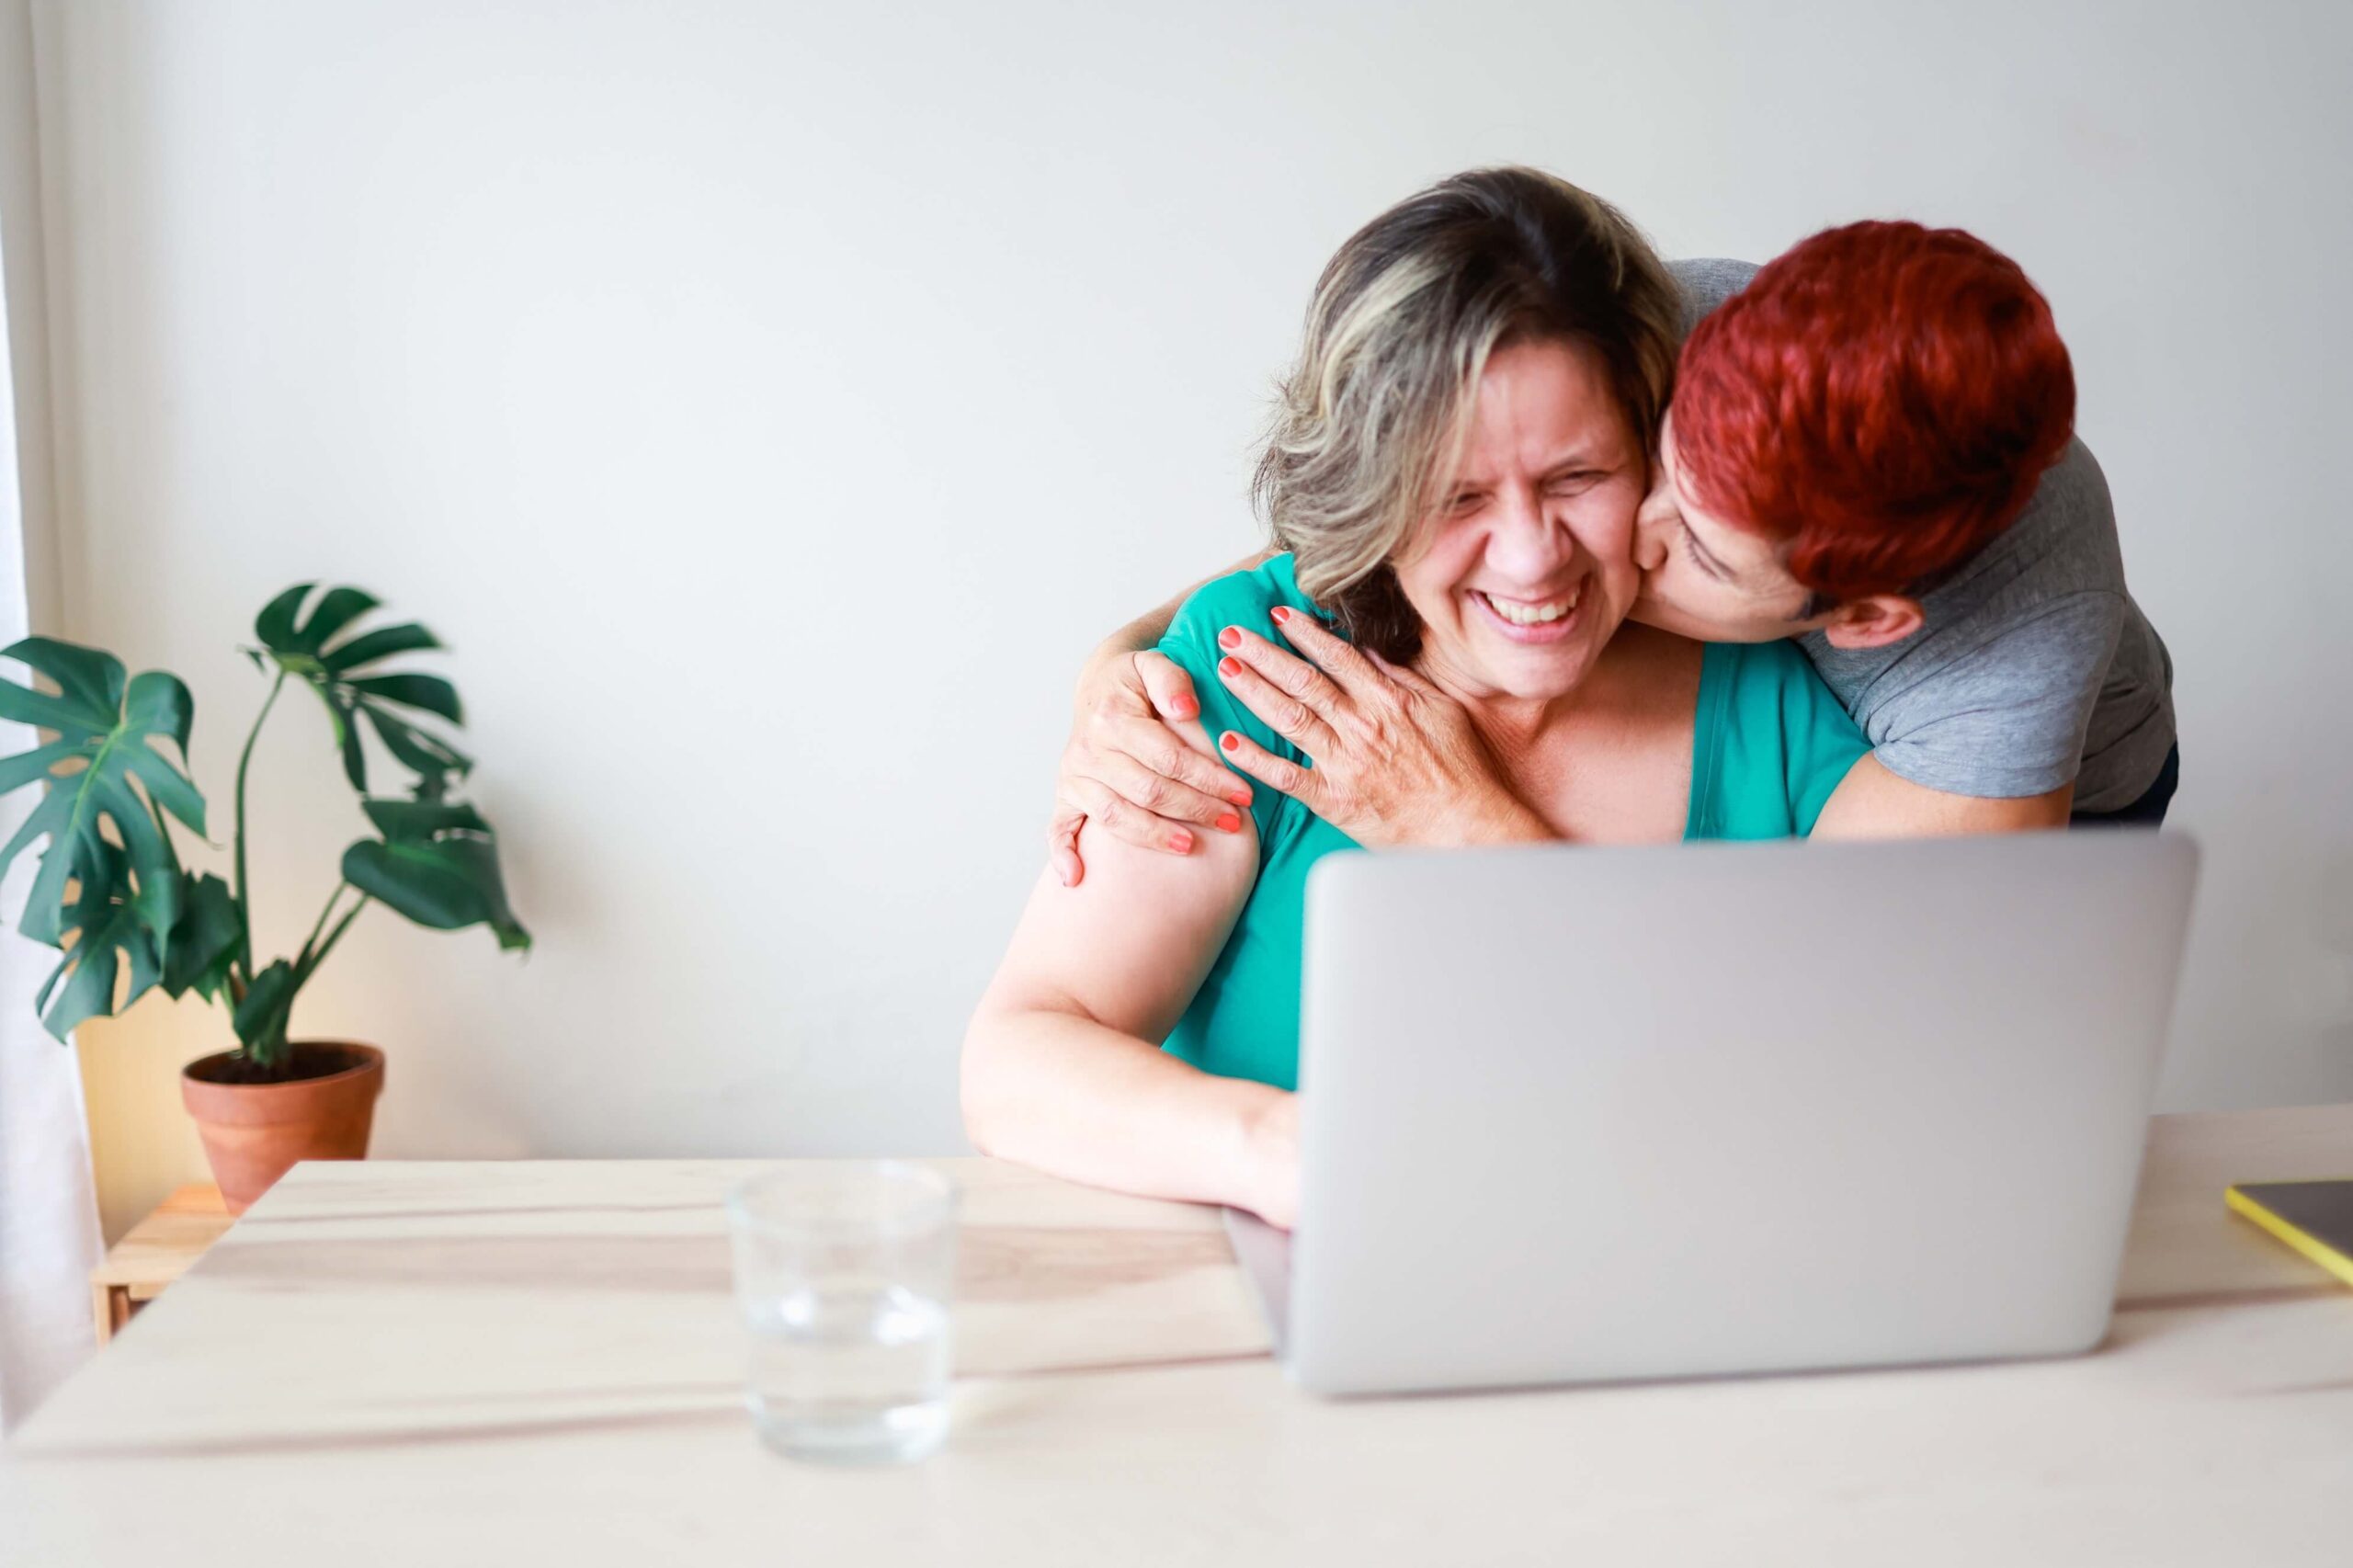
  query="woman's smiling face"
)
[{"x": 1527, "y": 571}]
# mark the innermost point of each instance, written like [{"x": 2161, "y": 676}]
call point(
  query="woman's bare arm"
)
[
  {"x": 1061, "y": 1065},
  {"x": 1146, "y": 629},
  {"x": 1871, "y": 802}
]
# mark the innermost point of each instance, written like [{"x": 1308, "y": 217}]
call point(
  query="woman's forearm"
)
[
  {"x": 1146, "y": 629},
  {"x": 1060, "y": 1092}
]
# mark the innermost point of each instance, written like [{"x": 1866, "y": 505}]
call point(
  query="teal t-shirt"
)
[{"x": 1770, "y": 743}]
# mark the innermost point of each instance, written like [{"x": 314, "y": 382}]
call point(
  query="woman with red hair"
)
[
  {"x": 1871, "y": 449},
  {"x": 1872, "y": 446}
]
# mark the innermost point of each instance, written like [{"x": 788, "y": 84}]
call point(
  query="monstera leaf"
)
[
  {"x": 205, "y": 943},
  {"x": 107, "y": 928},
  {"x": 340, "y": 674},
  {"x": 110, "y": 727},
  {"x": 437, "y": 864},
  {"x": 130, "y": 896}
]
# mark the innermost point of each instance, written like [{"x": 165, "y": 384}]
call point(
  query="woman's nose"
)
[{"x": 1525, "y": 542}]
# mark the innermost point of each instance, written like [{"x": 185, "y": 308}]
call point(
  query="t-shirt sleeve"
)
[
  {"x": 1821, "y": 742},
  {"x": 2007, "y": 719},
  {"x": 1244, "y": 599}
]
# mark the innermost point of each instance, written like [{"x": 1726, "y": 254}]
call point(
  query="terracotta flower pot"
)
[{"x": 255, "y": 1133}]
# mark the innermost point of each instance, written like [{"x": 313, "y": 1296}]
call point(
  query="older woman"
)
[{"x": 1455, "y": 468}]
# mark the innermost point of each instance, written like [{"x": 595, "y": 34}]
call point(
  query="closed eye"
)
[{"x": 1692, "y": 550}]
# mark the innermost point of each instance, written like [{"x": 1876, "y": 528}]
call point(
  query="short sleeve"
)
[
  {"x": 2007, "y": 718},
  {"x": 1245, "y": 599}
]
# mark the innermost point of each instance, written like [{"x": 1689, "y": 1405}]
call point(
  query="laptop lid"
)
[{"x": 1578, "y": 1114}]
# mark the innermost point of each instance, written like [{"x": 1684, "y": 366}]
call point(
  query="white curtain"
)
[{"x": 48, "y": 1218}]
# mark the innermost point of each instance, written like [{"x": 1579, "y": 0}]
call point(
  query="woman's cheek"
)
[
  {"x": 1604, "y": 520},
  {"x": 1450, "y": 554},
  {"x": 1609, "y": 537}
]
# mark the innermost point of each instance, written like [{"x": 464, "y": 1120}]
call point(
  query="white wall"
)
[{"x": 770, "y": 403}]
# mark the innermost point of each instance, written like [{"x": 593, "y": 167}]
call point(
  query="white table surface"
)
[{"x": 536, "y": 1362}]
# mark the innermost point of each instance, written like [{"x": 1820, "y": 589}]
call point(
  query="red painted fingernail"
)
[
  {"x": 1180, "y": 842},
  {"x": 1281, "y": 613},
  {"x": 1229, "y": 822},
  {"x": 1228, "y": 666},
  {"x": 1240, "y": 797},
  {"x": 1230, "y": 741},
  {"x": 1185, "y": 708},
  {"x": 1228, "y": 638}
]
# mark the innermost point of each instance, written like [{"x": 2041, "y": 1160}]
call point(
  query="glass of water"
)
[{"x": 844, "y": 1271}]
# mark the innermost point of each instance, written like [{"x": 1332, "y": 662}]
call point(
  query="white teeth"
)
[{"x": 1533, "y": 614}]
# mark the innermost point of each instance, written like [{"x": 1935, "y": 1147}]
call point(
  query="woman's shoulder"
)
[
  {"x": 1762, "y": 666},
  {"x": 1238, "y": 598},
  {"x": 1775, "y": 683},
  {"x": 1777, "y": 734}
]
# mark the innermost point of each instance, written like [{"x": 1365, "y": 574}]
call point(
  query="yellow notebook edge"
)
[{"x": 2311, "y": 1246}]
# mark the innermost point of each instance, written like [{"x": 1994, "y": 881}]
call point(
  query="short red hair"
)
[{"x": 1884, "y": 397}]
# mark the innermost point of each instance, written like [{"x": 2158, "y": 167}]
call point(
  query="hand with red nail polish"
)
[
  {"x": 1138, "y": 762},
  {"x": 1389, "y": 758}
]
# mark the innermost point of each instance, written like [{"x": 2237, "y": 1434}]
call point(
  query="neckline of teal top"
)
[{"x": 1769, "y": 742}]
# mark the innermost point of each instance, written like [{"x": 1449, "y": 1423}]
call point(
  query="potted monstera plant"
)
[{"x": 128, "y": 917}]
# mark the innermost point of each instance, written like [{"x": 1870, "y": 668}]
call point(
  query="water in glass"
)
[{"x": 856, "y": 1374}]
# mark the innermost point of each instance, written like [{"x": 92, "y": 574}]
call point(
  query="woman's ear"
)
[{"x": 1873, "y": 621}]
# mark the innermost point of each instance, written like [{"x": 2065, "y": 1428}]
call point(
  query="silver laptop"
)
[{"x": 1587, "y": 1115}]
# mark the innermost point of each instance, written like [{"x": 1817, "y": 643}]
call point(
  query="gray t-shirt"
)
[{"x": 2035, "y": 666}]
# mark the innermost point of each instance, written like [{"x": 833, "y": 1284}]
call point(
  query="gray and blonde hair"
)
[{"x": 1371, "y": 424}]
